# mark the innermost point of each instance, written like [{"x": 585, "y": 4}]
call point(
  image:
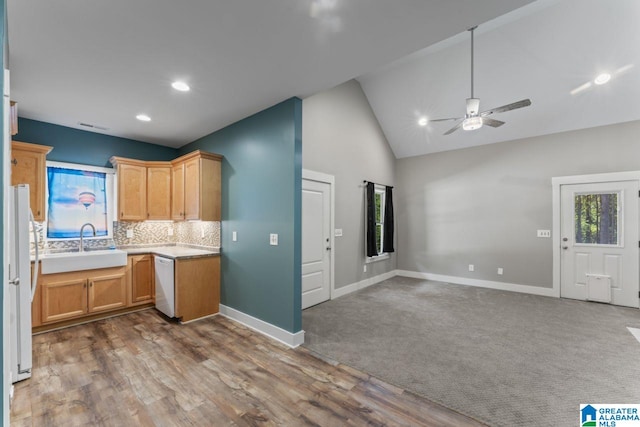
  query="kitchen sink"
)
[{"x": 77, "y": 261}]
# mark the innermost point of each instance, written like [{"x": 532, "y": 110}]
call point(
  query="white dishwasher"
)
[{"x": 165, "y": 289}]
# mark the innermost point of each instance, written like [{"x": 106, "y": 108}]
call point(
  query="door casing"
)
[
  {"x": 557, "y": 182},
  {"x": 330, "y": 180}
]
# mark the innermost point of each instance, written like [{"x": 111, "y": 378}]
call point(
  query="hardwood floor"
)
[{"x": 140, "y": 370}]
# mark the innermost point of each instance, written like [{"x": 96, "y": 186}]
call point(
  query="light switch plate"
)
[
  {"x": 273, "y": 239},
  {"x": 129, "y": 234},
  {"x": 500, "y": 271},
  {"x": 544, "y": 233},
  {"x": 234, "y": 236},
  {"x": 337, "y": 232}
]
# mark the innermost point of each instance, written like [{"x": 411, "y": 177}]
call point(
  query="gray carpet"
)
[{"x": 504, "y": 358}]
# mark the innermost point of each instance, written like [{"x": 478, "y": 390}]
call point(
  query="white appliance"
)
[
  {"x": 21, "y": 286},
  {"x": 165, "y": 290}
]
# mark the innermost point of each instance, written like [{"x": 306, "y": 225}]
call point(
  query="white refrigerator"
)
[{"x": 21, "y": 284}]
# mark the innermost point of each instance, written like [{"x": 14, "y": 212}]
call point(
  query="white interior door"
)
[
  {"x": 316, "y": 242},
  {"x": 599, "y": 242}
]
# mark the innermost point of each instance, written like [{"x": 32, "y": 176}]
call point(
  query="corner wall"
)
[
  {"x": 342, "y": 138},
  {"x": 483, "y": 205},
  {"x": 261, "y": 194},
  {"x": 87, "y": 148}
]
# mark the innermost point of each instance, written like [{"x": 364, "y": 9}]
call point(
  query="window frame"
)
[
  {"x": 379, "y": 190},
  {"x": 110, "y": 196}
]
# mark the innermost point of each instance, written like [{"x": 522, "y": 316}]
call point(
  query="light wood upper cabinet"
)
[
  {"x": 177, "y": 192},
  {"x": 28, "y": 166},
  {"x": 199, "y": 196},
  {"x": 132, "y": 189},
  {"x": 159, "y": 191},
  {"x": 187, "y": 188},
  {"x": 141, "y": 279}
]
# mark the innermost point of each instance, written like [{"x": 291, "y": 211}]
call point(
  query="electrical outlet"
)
[
  {"x": 365, "y": 268},
  {"x": 202, "y": 232},
  {"x": 500, "y": 271},
  {"x": 471, "y": 267},
  {"x": 129, "y": 234},
  {"x": 273, "y": 239},
  {"x": 544, "y": 233},
  {"x": 234, "y": 236},
  {"x": 170, "y": 231}
]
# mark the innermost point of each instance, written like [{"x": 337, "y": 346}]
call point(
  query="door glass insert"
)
[{"x": 596, "y": 218}]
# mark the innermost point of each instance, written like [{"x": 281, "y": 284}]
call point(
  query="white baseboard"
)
[
  {"x": 339, "y": 292},
  {"x": 293, "y": 340},
  {"x": 513, "y": 287}
]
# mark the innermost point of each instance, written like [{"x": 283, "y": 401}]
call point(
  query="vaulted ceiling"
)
[
  {"x": 102, "y": 63},
  {"x": 549, "y": 51}
]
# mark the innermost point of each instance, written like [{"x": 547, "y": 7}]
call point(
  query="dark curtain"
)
[
  {"x": 387, "y": 232},
  {"x": 371, "y": 220}
]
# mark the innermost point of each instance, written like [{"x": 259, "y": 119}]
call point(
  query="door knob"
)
[
  {"x": 328, "y": 248},
  {"x": 564, "y": 239},
  {"x": 565, "y": 247}
]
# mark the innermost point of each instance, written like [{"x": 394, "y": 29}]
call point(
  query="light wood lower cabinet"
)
[
  {"x": 74, "y": 294},
  {"x": 197, "y": 286},
  {"x": 141, "y": 279}
]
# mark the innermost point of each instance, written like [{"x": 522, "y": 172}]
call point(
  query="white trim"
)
[
  {"x": 556, "y": 183},
  {"x": 363, "y": 284},
  {"x": 382, "y": 257},
  {"x": 290, "y": 339},
  {"x": 502, "y": 286},
  {"x": 80, "y": 166},
  {"x": 310, "y": 175},
  {"x": 598, "y": 177}
]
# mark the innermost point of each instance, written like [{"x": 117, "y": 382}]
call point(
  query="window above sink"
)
[{"x": 79, "y": 194}]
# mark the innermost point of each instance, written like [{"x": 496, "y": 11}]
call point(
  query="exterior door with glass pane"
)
[{"x": 599, "y": 242}]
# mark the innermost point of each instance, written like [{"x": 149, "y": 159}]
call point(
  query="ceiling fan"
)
[{"x": 473, "y": 119}]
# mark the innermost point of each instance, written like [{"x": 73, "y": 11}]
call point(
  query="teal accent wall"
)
[
  {"x": 261, "y": 194},
  {"x": 88, "y": 148}
]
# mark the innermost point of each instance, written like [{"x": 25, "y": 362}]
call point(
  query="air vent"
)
[{"x": 89, "y": 125}]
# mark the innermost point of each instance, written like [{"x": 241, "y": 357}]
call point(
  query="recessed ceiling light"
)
[
  {"x": 181, "y": 86},
  {"x": 423, "y": 121},
  {"x": 143, "y": 118},
  {"x": 602, "y": 78}
]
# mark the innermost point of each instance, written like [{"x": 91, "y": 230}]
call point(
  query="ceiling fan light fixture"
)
[
  {"x": 180, "y": 86},
  {"x": 472, "y": 123},
  {"x": 602, "y": 78}
]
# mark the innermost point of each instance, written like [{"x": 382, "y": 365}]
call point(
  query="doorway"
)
[
  {"x": 317, "y": 237},
  {"x": 597, "y": 242}
]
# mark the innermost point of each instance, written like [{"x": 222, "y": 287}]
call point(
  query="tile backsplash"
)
[{"x": 198, "y": 233}]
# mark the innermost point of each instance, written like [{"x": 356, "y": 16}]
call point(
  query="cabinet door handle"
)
[
  {"x": 91, "y": 284},
  {"x": 121, "y": 214},
  {"x": 14, "y": 162}
]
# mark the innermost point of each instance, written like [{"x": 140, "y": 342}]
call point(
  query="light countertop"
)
[{"x": 172, "y": 251}]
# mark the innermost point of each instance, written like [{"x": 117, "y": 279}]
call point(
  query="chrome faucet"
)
[{"x": 82, "y": 236}]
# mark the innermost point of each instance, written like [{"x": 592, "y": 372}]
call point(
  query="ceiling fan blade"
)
[
  {"x": 445, "y": 120},
  {"x": 508, "y": 107},
  {"x": 453, "y": 129},
  {"x": 492, "y": 122}
]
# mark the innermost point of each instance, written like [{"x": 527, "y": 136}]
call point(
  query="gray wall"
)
[
  {"x": 342, "y": 137},
  {"x": 483, "y": 205}
]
